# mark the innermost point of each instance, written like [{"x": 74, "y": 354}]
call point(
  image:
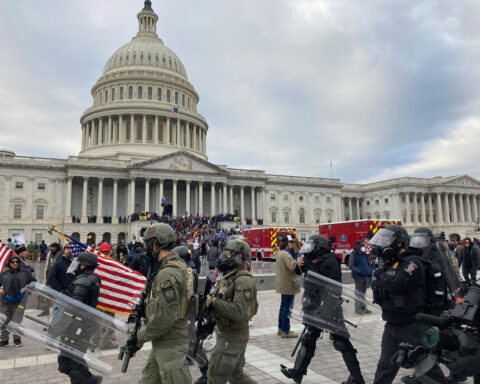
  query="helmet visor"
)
[
  {"x": 383, "y": 238},
  {"x": 307, "y": 247},
  {"x": 419, "y": 240},
  {"x": 72, "y": 269}
]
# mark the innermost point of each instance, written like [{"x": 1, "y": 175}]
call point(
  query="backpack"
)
[
  {"x": 190, "y": 307},
  {"x": 346, "y": 260}
]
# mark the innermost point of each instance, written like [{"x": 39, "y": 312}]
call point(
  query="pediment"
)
[
  {"x": 465, "y": 180},
  {"x": 180, "y": 162}
]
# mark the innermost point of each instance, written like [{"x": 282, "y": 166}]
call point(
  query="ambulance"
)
[
  {"x": 264, "y": 242},
  {"x": 347, "y": 232}
]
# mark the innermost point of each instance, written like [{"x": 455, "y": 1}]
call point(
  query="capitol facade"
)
[{"x": 143, "y": 139}]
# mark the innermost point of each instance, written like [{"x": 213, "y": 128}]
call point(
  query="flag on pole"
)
[
  {"x": 19, "y": 239},
  {"x": 175, "y": 111},
  {"x": 164, "y": 200},
  {"x": 5, "y": 254},
  {"x": 121, "y": 286}
]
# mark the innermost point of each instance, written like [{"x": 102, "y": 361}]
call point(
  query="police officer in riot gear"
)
[
  {"x": 232, "y": 304},
  {"x": 85, "y": 288},
  {"x": 319, "y": 258},
  {"x": 399, "y": 289}
]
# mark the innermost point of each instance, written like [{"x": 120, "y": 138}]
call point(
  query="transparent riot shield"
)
[
  {"x": 448, "y": 264},
  {"x": 338, "y": 309},
  {"x": 74, "y": 329}
]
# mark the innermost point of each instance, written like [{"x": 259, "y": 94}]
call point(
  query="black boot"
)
[{"x": 293, "y": 374}]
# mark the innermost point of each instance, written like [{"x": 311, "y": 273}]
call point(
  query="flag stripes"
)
[{"x": 5, "y": 253}]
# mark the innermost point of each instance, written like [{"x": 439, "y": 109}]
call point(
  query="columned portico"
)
[
  {"x": 174, "y": 197},
  {"x": 84, "y": 200},
  {"x": 242, "y": 203},
  {"x": 100, "y": 201},
  {"x": 187, "y": 197}
]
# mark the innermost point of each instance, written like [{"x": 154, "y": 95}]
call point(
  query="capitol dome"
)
[{"x": 143, "y": 104}]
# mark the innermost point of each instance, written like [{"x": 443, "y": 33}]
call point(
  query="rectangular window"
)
[
  {"x": 150, "y": 93},
  {"x": 130, "y": 92},
  {"x": 19, "y": 185},
  {"x": 40, "y": 211},
  {"x": 106, "y": 96},
  {"x": 38, "y": 237},
  {"x": 159, "y": 94},
  {"x": 329, "y": 217},
  {"x": 41, "y": 187},
  {"x": 368, "y": 202},
  {"x": 150, "y": 132},
  {"x": 377, "y": 217},
  {"x": 387, "y": 216},
  {"x": 287, "y": 217},
  {"x": 317, "y": 199},
  {"x": 139, "y": 131},
  {"x": 121, "y": 93},
  {"x": 317, "y": 218},
  {"x": 113, "y": 94},
  {"x": 285, "y": 197},
  {"x": 274, "y": 217},
  {"x": 160, "y": 132},
  {"x": 377, "y": 202},
  {"x": 272, "y": 196},
  {"x": 329, "y": 199},
  {"x": 386, "y": 201},
  {"x": 17, "y": 211}
]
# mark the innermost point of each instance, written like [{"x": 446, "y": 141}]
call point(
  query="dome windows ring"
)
[
  {"x": 140, "y": 92},
  {"x": 150, "y": 93},
  {"x": 130, "y": 92},
  {"x": 149, "y": 57},
  {"x": 141, "y": 56},
  {"x": 134, "y": 56}
]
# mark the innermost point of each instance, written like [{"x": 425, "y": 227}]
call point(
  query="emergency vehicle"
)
[
  {"x": 264, "y": 242},
  {"x": 347, "y": 232}
]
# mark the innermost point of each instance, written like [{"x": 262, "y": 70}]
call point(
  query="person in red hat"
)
[{"x": 105, "y": 249}]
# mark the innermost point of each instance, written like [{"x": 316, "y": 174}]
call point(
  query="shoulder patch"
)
[
  {"x": 247, "y": 295},
  {"x": 168, "y": 291},
  {"x": 411, "y": 267}
]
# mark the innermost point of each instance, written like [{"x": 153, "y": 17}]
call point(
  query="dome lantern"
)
[{"x": 147, "y": 20}]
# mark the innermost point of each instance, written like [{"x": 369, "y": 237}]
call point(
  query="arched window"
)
[
  {"x": 126, "y": 58},
  {"x": 113, "y": 94},
  {"x": 183, "y": 100},
  {"x": 149, "y": 57},
  {"x": 121, "y": 57},
  {"x": 170, "y": 61},
  {"x": 140, "y": 92},
  {"x": 130, "y": 92},
  {"x": 302, "y": 216},
  {"x": 176, "y": 97},
  {"x": 168, "y": 96},
  {"x": 141, "y": 56},
  {"x": 164, "y": 60},
  {"x": 149, "y": 131},
  {"x": 121, "y": 93},
  {"x": 156, "y": 58},
  {"x": 150, "y": 92},
  {"x": 139, "y": 131},
  {"x": 159, "y": 94},
  {"x": 134, "y": 56},
  {"x": 129, "y": 130}
]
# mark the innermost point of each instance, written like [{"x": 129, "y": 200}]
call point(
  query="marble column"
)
[
  {"x": 253, "y": 204},
  {"x": 100, "y": 131},
  {"x": 475, "y": 208},
  {"x": 430, "y": 209},
  {"x": 156, "y": 131},
  {"x": 469, "y": 208},
  {"x": 84, "y": 129},
  {"x": 167, "y": 136},
  {"x": 187, "y": 132},
  {"x": 115, "y": 202},
  {"x": 461, "y": 209},
  {"x": 407, "y": 208},
  {"x": 100, "y": 201},
  {"x": 350, "y": 210},
  {"x": 109, "y": 129},
  {"x": 133, "y": 129},
  {"x": 446, "y": 206},
  {"x": 160, "y": 196},
  {"x": 415, "y": 208},
  {"x": 147, "y": 195},
  {"x": 132, "y": 196},
  {"x": 439, "y": 209},
  {"x": 424, "y": 213},
  {"x": 195, "y": 137},
  {"x": 242, "y": 203},
  {"x": 212, "y": 199},
  {"x": 178, "y": 133},
  {"x": 357, "y": 206},
  {"x": 225, "y": 209},
  {"x": 453, "y": 203},
  {"x": 144, "y": 129},
  {"x": 200, "y": 198},
  {"x": 230, "y": 188},
  {"x": 84, "y": 200},
  {"x": 68, "y": 201},
  {"x": 174, "y": 202},
  {"x": 121, "y": 130},
  {"x": 187, "y": 194}
]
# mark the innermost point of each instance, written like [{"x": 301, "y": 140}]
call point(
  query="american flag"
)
[
  {"x": 121, "y": 286},
  {"x": 5, "y": 253},
  {"x": 175, "y": 111}
]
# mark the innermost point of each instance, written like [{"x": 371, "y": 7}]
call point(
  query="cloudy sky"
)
[{"x": 382, "y": 89}]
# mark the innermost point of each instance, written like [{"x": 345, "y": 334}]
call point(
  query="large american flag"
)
[
  {"x": 5, "y": 253},
  {"x": 121, "y": 286}
]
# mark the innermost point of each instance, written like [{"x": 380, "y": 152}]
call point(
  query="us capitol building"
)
[{"x": 136, "y": 149}]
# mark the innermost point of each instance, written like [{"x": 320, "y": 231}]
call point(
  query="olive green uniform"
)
[
  {"x": 167, "y": 325},
  {"x": 231, "y": 313}
]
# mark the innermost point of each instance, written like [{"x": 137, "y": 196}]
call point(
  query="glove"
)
[{"x": 134, "y": 345}]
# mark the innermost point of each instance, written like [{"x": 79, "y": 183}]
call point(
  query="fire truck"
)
[
  {"x": 347, "y": 232},
  {"x": 264, "y": 242}
]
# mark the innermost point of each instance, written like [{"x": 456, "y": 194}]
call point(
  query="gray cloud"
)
[{"x": 383, "y": 89}]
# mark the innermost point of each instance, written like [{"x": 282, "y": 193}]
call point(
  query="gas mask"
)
[
  {"x": 224, "y": 263},
  {"x": 73, "y": 268},
  {"x": 385, "y": 245}
]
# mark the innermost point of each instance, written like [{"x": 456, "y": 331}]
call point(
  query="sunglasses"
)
[{"x": 14, "y": 262}]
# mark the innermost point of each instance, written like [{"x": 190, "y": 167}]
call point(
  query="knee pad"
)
[{"x": 343, "y": 345}]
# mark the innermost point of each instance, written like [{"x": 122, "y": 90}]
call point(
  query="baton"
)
[{"x": 299, "y": 341}]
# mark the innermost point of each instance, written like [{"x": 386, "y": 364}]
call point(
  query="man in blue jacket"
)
[
  {"x": 361, "y": 269},
  {"x": 58, "y": 278}
]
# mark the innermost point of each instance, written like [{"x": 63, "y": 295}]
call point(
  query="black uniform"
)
[
  {"x": 142, "y": 263},
  {"x": 86, "y": 289},
  {"x": 326, "y": 264},
  {"x": 400, "y": 291}
]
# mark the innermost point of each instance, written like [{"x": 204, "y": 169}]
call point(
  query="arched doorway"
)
[
  {"x": 107, "y": 237},
  {"x": 91, "y": 239},
  {"x": 76, "y": 236},
  {"x": 121, "y": 237}
]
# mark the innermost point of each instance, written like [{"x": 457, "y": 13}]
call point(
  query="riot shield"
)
[
  {"x": 338, "y": 309},
  {"x": 440, "y": 257},
  {"x": 74, "y": 329}
]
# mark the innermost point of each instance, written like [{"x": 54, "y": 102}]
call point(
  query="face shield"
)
[
  {"x": 72, "y": 270},
  {"x": 307, "y": 247},
  {"x": 383, "y": 238},
  {"x": 419, "y": 240}
]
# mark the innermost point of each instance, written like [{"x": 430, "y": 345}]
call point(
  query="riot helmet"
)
[
  {"x": 88, "y": 259},
  {"x": 314, "y": 244},
  {"x": 386, "y": 242},
  {"x": 234, "y": 253},
  {"x": 421, "y": 238},
  {"x": 184, "y": 253},
  {"x": 161, "y": 234}
]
